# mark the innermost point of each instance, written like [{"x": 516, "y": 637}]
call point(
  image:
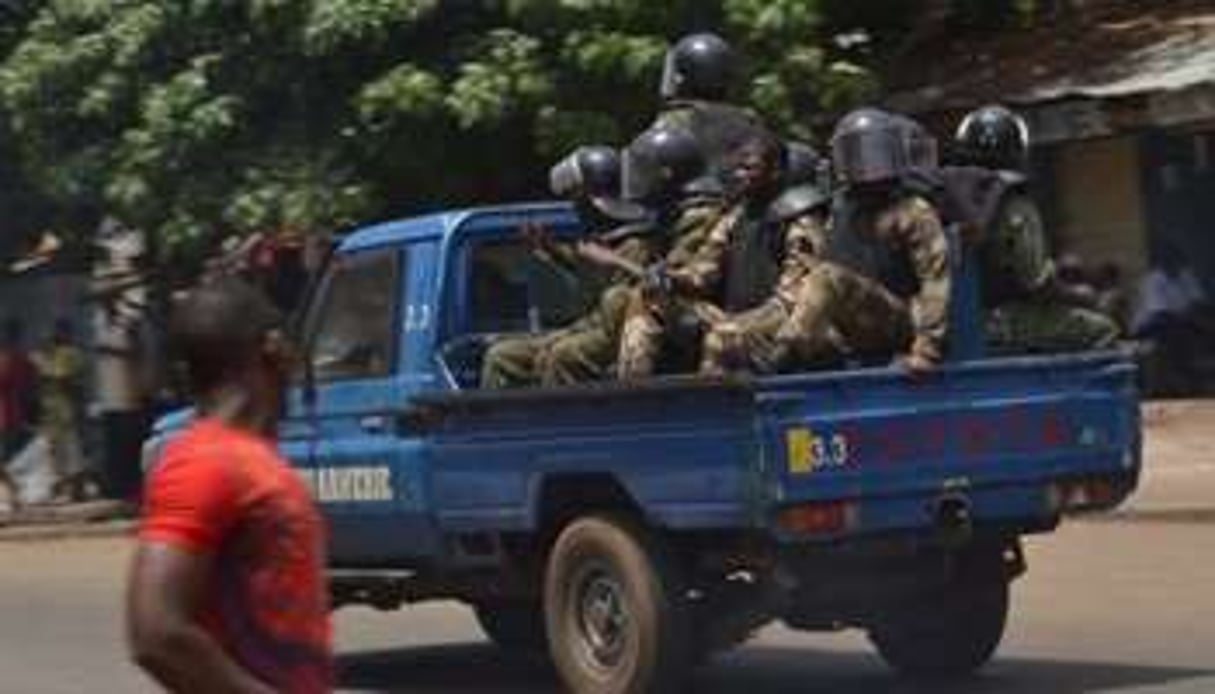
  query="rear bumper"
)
[{"x": 952, "y": 514}]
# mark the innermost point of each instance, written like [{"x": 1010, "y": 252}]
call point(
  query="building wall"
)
[{"x": 1099, "y": 202}]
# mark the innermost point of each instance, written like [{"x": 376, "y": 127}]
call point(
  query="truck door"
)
[{"x": 361, "y": 470}]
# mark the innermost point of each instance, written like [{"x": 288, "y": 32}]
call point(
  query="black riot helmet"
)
[
  {"x": 590, "y": 176},
  {"x": 803, "y": 164},
  {"x": 922, "y": 150},
  {"x": 993, "y": 137},
  {"x": 699, "y": 67},
  {"x": 869, "y": 149},
  {"x": 660, "y": 164}
]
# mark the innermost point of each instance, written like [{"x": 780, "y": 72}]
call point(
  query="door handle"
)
[{"x": 374, "y": 424}]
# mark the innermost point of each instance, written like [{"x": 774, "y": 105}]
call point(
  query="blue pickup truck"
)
[{"x": 633, "y": 530}]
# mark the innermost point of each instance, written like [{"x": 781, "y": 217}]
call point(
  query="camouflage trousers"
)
[
  {"x": 588, "y": 352},
  {"x": 746, "y": 342},
  {"x": 1036, "y": 327},
  {"x": 838, "y": 314},
  {"x": 515, "y": 361},
  {"x": 649, "y": 322}
]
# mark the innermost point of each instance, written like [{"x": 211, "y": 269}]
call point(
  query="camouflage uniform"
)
[
  {"x": 525, "y": 360},
  {"x": 747, "y": 341},
  {"x": 513, "y": 361},
  {"x": 694, "y": 266},
  {"x": 1025, "y": 312},
  {"x": 859, "y": 304},
  {"x": 587, "y": 351}
]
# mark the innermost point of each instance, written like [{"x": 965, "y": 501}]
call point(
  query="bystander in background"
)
[
  {"x": 60, "y": 368},
  {"x": 1171, "y": 300},
  {"x": 124, "y": 366}
]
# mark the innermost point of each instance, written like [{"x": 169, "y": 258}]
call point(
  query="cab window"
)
[
  {"x": 513, "y": 290},
  {"x": 352, "y": 335}
]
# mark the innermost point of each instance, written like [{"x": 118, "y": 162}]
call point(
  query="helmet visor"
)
[
  {"x": 868, "y": 157},
  {"x": 565, "y": 178},
  {"x": 672, "y": 79},
  {"x": 641, "y": 177}
]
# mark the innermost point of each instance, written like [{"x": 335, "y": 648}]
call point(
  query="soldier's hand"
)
[
  {"x": 536, "y": 235},
  {"x": 657, "y": 282},
  {"x": 917, "y": 365}
]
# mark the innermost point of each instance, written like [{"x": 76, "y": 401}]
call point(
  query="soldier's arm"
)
[
  {"x": 926, "y": 241},
  {"x": 805, "y": 243},
  {"x": 699, "y": 273}
]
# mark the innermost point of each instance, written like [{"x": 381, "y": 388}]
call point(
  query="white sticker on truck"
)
[{"x": 350, "y": 484}]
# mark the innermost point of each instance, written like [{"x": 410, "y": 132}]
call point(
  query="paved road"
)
[{"x": 1107, "y": 607}]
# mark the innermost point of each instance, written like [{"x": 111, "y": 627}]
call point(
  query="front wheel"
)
[
  {"x": 614, "y": 606},
  {"x": 950, "y": 634}
]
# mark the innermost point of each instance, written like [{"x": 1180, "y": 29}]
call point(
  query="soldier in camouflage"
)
[
  {"x": 1028, "y": 309},
  {"x": 590, "y": 177},
  {"x": 664, "y": 173},
  {"x": 882, "y": 286},
  {"x": 788, "y": 214}
]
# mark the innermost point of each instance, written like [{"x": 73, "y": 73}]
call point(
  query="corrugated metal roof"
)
[
  {"x": 1178, "y": 62},
  {"x": 1166, "y": 47}
]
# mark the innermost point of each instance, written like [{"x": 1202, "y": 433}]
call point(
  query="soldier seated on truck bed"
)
[
  {"x": 786, "y": 224},
  {"x": 1028, "y": 308},
  {"x": 883, "y": 288},
  {"x": 590, "y": 177}
]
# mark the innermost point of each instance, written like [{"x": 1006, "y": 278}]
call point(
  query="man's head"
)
[
  {"x": 1071, "y": 269},
  {"x": 590, "y": 178},
  {"x": 870, "y": 154},
  {"x": 802, "y": 164},
  {"x": 756, "y": 167},
  {"x": 701, "y": 67},
  {"x": 660, "y": 164},
  {"x": 230, "y": 338},
  {"x": 993, "y": 137}
]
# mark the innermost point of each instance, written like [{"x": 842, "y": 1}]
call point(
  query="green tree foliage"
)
[{"x": 199, "y": 118}]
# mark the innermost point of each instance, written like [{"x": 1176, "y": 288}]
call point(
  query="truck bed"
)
[{"x": 1010, "y": 442}]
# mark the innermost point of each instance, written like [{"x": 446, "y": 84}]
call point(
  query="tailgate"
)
[{"x": 1013, "y": 442}]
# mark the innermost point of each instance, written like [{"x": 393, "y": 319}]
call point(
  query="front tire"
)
[
  {"x": 615, "y": 610},
  {"x": 951, "y": 634}
]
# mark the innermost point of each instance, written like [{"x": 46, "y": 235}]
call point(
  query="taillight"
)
[
  {"x": 1075, "y": 496},
  {"x": 824, "y": 518}
]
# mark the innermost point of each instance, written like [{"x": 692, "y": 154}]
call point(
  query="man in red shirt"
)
[{"x": 227, "y": 592}]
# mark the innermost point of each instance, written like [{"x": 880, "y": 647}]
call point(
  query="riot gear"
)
[
  {"x": 591, "y": 170},
  {"x": 659, "y": 164},
  {"x": 802, "y": 164},
  {"x": 869, "y": 148},
  {"x": 591, "y": 176},
  {"x": 699, "y": 66},
  {"x": 993, "y": 137},
  {"x": 922, "y": 150}
]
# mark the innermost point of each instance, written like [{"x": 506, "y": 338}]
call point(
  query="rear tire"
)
[
  {"x": 516, "y": 627},
  {"x": 615, "y": 610},
  {"x": 949, "y": 635}
]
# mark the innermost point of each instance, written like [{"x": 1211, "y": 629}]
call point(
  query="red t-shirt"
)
[{"x": 227, "y": 492}]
